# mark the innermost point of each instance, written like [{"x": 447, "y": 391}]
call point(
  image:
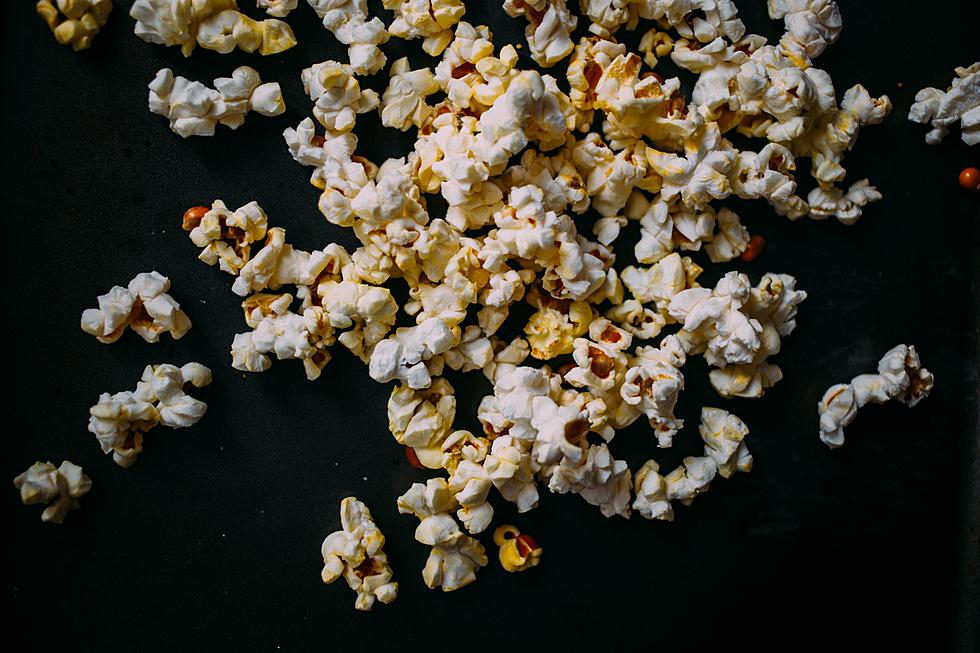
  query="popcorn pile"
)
[
  {"x": 959, "y": 103},
  {"x": 143, "y": 306},
  {"x": 508, "y": 236},
  {"x": 120, "y": 420},
  {"x": 900, "y": 376},
  {"x": 354, "y": 552},
  {"x": 74, "y": 22},
  {"x": 193, "y": 109},
  {"x": 45, "y": 483}
]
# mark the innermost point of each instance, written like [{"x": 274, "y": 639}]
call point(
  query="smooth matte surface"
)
[{"x": 212, "y": 539}]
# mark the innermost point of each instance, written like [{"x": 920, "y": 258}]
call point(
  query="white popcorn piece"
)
[
  {"x": 900, "y": 376},
  {"x": 422, "y": 418},
  {"x": 348, "y": 21},
  {"x": 811, "y": 25},
  {"x": 212, "y": 24},
  {"x": 277, "y": 8},
  {"x": 650, "y": 489},
  {"x": 652, "y": 385},
  {"x": 120, "y": 420},
  {"x": 337, "y": 96},
  {"x": 430, "y": 20},
  {"x": 61, "y": 487},
  {"x": 193, "y": 109},
  {"x": 74, "y": 22},
  {"x": 144, "y": 306},
  {"x": 724, "y": 441},
  {"x": 455, "y": 556},
  {"x": 549, "y": 28},
  {"x": 226, "y": 237},
  {"x": 959, "y": 103},
  {"x": 356, "y": 553},
  {"x": 403, "y": 355},
  {"x": 403, "y": 103}
]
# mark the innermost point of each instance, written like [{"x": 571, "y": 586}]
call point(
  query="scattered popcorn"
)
[
  {"x": 212, "y": 24},
  {"x": 900, "y": 376},
  {"x": 355, "y": 552},
  {"x": 959, "y": 103},
  {"x": 74, "y": 22},
  {"x": 348, "y": 21},
  {"x": 120, "y": 420},
  {"x": 144, "y": 306},
  {"x": 549, "y": 28},
  {"x": 193, "y": 109},
  {"x": 517, "y": 552},
  {"x": 61, "y": 487}
]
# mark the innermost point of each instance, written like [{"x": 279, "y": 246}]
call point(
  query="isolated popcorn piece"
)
[
  {"x": 74, "y": 22},
  {"x": 336, "y": 95},
  {"x": 60, "y": 487},
  {"x": 120, "y": 420},
  {"x": 549, "y": 28},
  {"x": 355, "y": 552},
  {"x": 650, "y": 489},
  {"x": 455, "y": 557},
  {"x": 959, "y": 103},
  {"x": 195, "y": 110},
  {"x": 690, "y": 479},
  {"x": 724, "y": 441},
  {"x": 900, "y": 376},
  {"x": 348, "y": 21},
  {"x": 212, "y": 24},
  {"x": 403, "y": 103},
  {"x": 516, "y": 552},
  {"x": 811, "y": 25},
  {"x": 144, "y": 306},
  {"x": 277, "y": 8},
  {"x": 224, "y": 236},
  {"x": 422, "y": 418},
  {"x": 430, "y": 20}
]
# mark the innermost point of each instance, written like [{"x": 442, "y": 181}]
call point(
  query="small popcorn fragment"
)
[
  {"x": 959, "y": 103},
  {"x": 900, "y": 376},
  {"x": 74, "y": 22},
  {"x": 213, "y": 24},
  {"x": 144, "y": 306},
  {"x": 61, "y": 487},
  {"x": 517, "y": 552},
  {"x": 119, "y": 421},
  {"x": 355, "y": 552},
  {"x": 193, "y": 109}
]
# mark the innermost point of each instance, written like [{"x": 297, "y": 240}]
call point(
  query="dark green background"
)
[{"x": 212, "y": 539}]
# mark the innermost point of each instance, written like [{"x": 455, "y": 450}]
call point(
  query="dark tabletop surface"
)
[{"x": 212, "y": 539}]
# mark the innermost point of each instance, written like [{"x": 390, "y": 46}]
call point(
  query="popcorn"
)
[
  {"x": 606, "y": 15},
  {"x": 650, "y": 489},
  {"x": 348, "y": 21},
  {"x": 61, "y": 487},
  {"x": 731, "y": 239},
  {"x": 549, "y": 28},
  {"x": 195, "y": 110},
  {"x": 655, "y": 45},
  {"x": 724, "y": 441},
  {"x": 226, "y": 237},
  {"x": 652, "y": 385},
  {"x": 144, "y": 306},
  {"x": 403, "y": 355},
  {"x": 277, "y": 8},
  {"x": 120, "y": 420},
  {"x": 517, "y": 552},
  {"x": 960, "y": 102},
  {"x": 422, "y": 418},
  {"x": 811, "y": 25},
  {"x": 355, "y": 552},
  {"x": 431, "y": 20},
  {"x": 337, "y": 96},
  {"x": 403, "y": 103},
  {"x": 701, "y": 174},
  {"x": 455, "y": 557},
  {"x": 551, "y": 331},
  {"x": 74, "y": 22},
  {"x": 900, "y": 376},
  {"x": 276, "y": 329},
  {"x": 592, "y": 57},
  {"x": 212, "y": 24}
]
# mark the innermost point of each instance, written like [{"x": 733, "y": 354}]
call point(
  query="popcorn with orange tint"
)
[
  {"x": 516, "y": 552},
  {"x": 355, "y": 552},
  {"x": 74, "y": 22}
]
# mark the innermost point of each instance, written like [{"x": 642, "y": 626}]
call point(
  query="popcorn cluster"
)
[
  {"x": 355, "y": 552},
  {"x": 143, "y": 306},
  {"x": 120, "y": 420},
  {"x": 193, "y": 109},
  {"x": 61, "y": 487},
  {"x": 959, "y": 103},
  {"x": 900, "y": 376},
  {"x": 74, "y": 22},
  {"x": 213, "y": 24}
]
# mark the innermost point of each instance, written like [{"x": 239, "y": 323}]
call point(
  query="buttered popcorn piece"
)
[
  {"x": 549, "y": 28},
  {"x": 517, "y": 552},
  {"x": 348, "y": 21},
  {"x": 355, "y": 552},
  {"x": 430, "y": 20},
  {"x": 74, "y": 22},
  {"x": 337, "y": 96},
  {"x": 959, "y": 103},
  {"x": 59, "y": 487},
  {"x": 212, "y": 24},
  {"x": 193, "y": 109},
  {"x": 120, "y": 420},
  {"x": 900, "y": 376},
  {"x": 144, "y": 306}
]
